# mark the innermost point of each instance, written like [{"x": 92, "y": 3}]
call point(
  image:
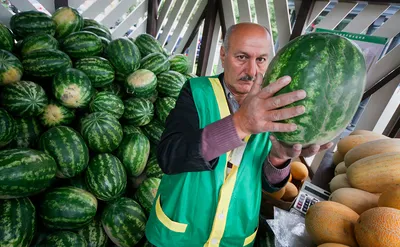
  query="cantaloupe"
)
[
  {"x": 278, "y": 194},
  {"x": 298, "y": 170},
  {"x": 390, "y": 198},
  {"x": 331, "y": 222},
  {"x": 340, "y": 169},
  {"x": 291, "y": 192},
  {"x": 332, "y": 245},
  {"x": 338, "y": 182},
  {"x": 351, "y": 141},
  {"x": 337, "y": 158},
  {"x": 371, "y": 148},
  {"x": 358, "y": 200},
  {"x": 378, "y": 227},
  {"x": 375, "y": 173}
]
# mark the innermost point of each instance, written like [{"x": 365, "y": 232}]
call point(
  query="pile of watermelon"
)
[{"x": 81, "y": 114}]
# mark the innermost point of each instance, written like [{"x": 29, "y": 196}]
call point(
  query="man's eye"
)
[
  {"x": 241, "y": 57},
  {"x": 262, "y": 59}
]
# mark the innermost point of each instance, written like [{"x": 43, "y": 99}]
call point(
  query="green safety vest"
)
[{"x": 210, "y": 208}]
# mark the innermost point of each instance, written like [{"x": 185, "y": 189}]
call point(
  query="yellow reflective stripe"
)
[
  {"x": 167, "y": 222},
  {"x": 250, "y": 238},
  {"x": 220, "y": 96}
]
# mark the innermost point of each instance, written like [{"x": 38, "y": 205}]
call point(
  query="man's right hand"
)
[{"x": 260, "y": 111}]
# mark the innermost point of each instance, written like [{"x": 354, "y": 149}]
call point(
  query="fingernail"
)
[
  {"x": 293, "y": 127},
  {"x": 286, "y": 79},
  {"x": 302, "y": 94},
  {"x": 301, "y": 109}
]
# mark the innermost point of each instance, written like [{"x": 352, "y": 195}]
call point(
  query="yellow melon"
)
[
  {"x": 358, "y": 200},
  {"x": 340, "y": 169},
  {"x": 298, "y": 170},
  {"x": 337, "y": 158},
  {"x": 390, "y": 197},
  {"x": 291, "y": 192},
  {"x": 332, "y": 245},
  {"x": 364, "y": 132},
  {"x": 278, "y": 194},
  {"x": 349, "y": 142},
  {"x": 338, "y": 182}
]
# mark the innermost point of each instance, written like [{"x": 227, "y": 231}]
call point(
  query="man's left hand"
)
[{"x": 280, "y": 153}]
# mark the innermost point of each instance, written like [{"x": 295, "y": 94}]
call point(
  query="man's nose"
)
[{"x": 251, "y": 69}]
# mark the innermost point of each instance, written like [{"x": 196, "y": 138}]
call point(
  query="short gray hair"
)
[{"x": 229, "y": 33}]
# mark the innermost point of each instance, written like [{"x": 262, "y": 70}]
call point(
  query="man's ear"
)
[{"x": 222, "y": 55}]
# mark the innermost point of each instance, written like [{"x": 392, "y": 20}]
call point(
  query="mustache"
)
[{"x": 247, "y": 78}]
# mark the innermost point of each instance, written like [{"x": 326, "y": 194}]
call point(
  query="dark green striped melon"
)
[
  {"x": 82, "y": 44},
  {"x": 331, "y": 69},
  {"x": 67, "y": 208},
  {"x": 25, "y": 172},
  {"x": 179, "y": 63},
  {"x": 98, "y": 69},
  {"x": 45, "y": 62},
  {"x": 122, "y": 213},
  {"x": 101, "y": 131},
  {"x": 94, "y": 234},
  {"x": 26, "y": 23},
  {"x": 28, "y": 132},
  {"x": 105, "y": 43},
  {"x": 148, "y": 44},
  {"x": 153, "y": 98},
  {"x": 38, "y": 42},
  {"x": 63, "y": 239},
  {"x": 134, "y": 153},
  {"x": 147, "y": 192},
  {"x": 55, "y": 114},
  {"x": 123, "y": 55},
  {"x": 138, "y": 111},
  {"x": 120, "y": 78},
  {"x": 170, "y": 83},
  {"x": 155, "y": 62},
  {"x": 101, "y": 32},
  {"x": 72, "y": 88},
  {"x": 68, "y": 20},
  {"x": 163, "y": 107},
  {"x": 106, "y": 177},
  {"x": 68, "y": 149},
  {"x": 114, "y": 88},
  {"x": 10, "y": 68},
  {"x": 131, "y": 129},
  {"x": 17, "y": 222},
  {"x": 190, "y": 76},
  {"x": 153, "y": 168},
  {"x": 6, "y": 38},
  {"x": 8, "y": 128},
  {"x": 154, "y": 130},
  {"x": 24, "y": 99},
  {"x": 141, "y": 83},
  {"x": 87, "y": 22},
  {"x": 107, "y": 102},
  {"x": 78, "y": 182}
]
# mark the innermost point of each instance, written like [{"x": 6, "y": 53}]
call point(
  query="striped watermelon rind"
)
[
  {"x": 101, "y": 32},
  {"x": 28, "y": 132},
  {"x": 148, "y": 44},
  {"x": 98, "y": 69},
  {"x": 11, "y": 69},
  {"x": 131, "y": 129},
  {"x": 45, "y": 62},
  {"x": 114, "y": 88},
  {"x": 153, "y": 168},
  {"x": 38, "y": 42},
  {"x": 141, "y": 83},
  {"x": 94, "y": 234},
  {"x": 147, "y": 192},
  {"x": 8, "y": 128},
  {"x": 155, "y": 62},
  {"x": 107, "y": 102},
  {"x": 163, "y": 107},
  {"x": 170, "y": 83},
  {"x": 82, "y": 44},
  {"x": 179, "y": 63},
  {"x": 26, "y": 23},
  {"x": 154, "y": 130},
  {"x": 123, "y": 55},
  {"x": 55, "y": 114},
  {"x": 63, "y": 239},
  {"x": 16, "y": 164},
  {"x": 68, "y": 20},
  {"x": 7, "y": 40},
  {"x": 138, "y": 111}
]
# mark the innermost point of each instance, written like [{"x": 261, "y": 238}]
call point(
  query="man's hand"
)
[
  {"x": 280, "y": 152},
  {"x": 261, "y": 108}
]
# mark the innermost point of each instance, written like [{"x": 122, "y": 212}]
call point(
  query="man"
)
[{"x": 217, "y": 153}]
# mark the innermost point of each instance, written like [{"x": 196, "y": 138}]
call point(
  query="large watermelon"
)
[
  {"x": 68, "y": 20},
  {"x": 123, "y": 55},
  {"x": 131, "y": 129},
  {"x": 38, "y": 42},
  {"x": 179, "y": 63},
  {"x": 102, "y": 132},
  {"x": 147, "y": 192},
  {"x": 24, "y": 98},
  {"x": 55, "y": 114},
  {"x": 153, "y": 168},
  {"x": 26, "y": 23},
  {"x": 82, "y": 44},
  {"x": 141, "y": 83},
  {"x": 8, "y": 128},
  {"x": 99, "y": 31},
  {"x": 170, "y": 83},
  {"x": 25, "y": 172},
  {"x": 114, "y": 88},
  {"x": 28, "y": 132},
  {"x": 134, "y": 152},
  {"x": 6, "y": 38},
  {"x": 138, "y": 111},
  {"x": 94, "y": 234},
  {"x": 155, "y": 62},
  {"x": 63, "y": 239},
  {"x": 148, "y": 44},
  {"x": 106, "y": 177},
  {"x": 163, "y": 107},
  {"x": 10, "y": 68},
  {"x": 98, "y": 69},
  {"x": 45, "y": 62},
  {"x": 107, "y": 102},
  {"x": 87, "y": 22},
  {"x": 68, "y": 149},
  {"x": 17, "y": 222},
  {"x": 72, "y": 88},
  {"x": 331, "y": 69},
  {"x": 154, "y": 130},
  {"x": 124, "y": 222},
  {"x": 67, "y": 208}
]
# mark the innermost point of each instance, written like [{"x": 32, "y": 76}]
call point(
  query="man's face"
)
[{"x": 246, "y": 56}]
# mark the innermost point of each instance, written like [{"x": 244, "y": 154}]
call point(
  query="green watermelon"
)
[
  {"x": 138, "y": 111},
  {"x": 105, "y": 43},
  {"x": 102, "y": 132},
  {"x": 163, "y": 107},
  {"x": 68, "y": 20},
  {"x": 179, "y": 63},
  {"x": 63, "y": 239},
  {"x": 67, "y": 208},
  {"x": 38, "y": 42},
  {"x": 26, "y": 23},
  {"x": 28, "y": 132},
  {"x": 153, "y": 168},
  {"x": 153, "y": 98},
  {"x": 120, "y": 78},
  {"x": 116, "y": 218},
  {"x": 106, "y": 177},
  {"x": 114, "y": 88},
  {"x": 107, "y": 102},
  {"x": 68, "y": 149},
  {"x": 82, "y": 44},
  {"x": 170, "y": 83},
  {"x": 25, "y": 172},
  {"x": 141, "y": 83},
  {"x": 87, "y": 22},
  {"x": 55, "y": 114},
  {"x": 101, "y": 32},
  {"x": 79, "y": 181},
  {"x": 94, "y": 234},
  {"x": 10, "y": 68},
  {"x": 6, "y": 38},
  {"x": 134, "y": 152},
  {"x": 8, "y": 128},
  {"x": 315, "y": 63},
  {"x": 154, "y": 130},
  {"x": 147, "y": 192},
  {"x": 130, "y": 129},
  {"x": 155, "y": 62},
  {"x": 72, "y": 88},
  {"x": 45, "y": 62},
  {"x": 98, "y": 69},
  {"x": 123, "y": 55},
  {"x": 24, "y": 99},
  {"x": 190, "y": 76},
  {"x": 18, "y": 222},
  {"x": 148, "y": 44}
]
